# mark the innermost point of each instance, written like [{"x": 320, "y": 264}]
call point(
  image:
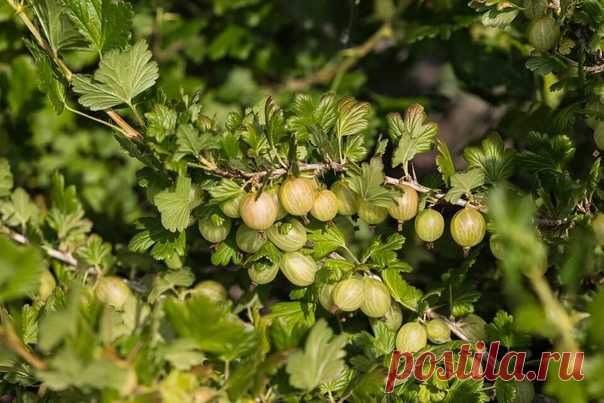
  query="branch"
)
[
  {"x": 12, "y": 341},
  {"x": 346, "y": 59},
  {"x": 128, "y": 130},
  {"x": 64, "y": 257}
]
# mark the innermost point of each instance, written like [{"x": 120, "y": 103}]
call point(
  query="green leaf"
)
[
  {"x": 547, "y": 153},
  {"x": 50, "y": 82},
  {"x": 191, "y": 142},
  {"x": 175, "y": 206},
  {"x": 496, "y": 163},
  {"x": 163, "y": 243},
  {"x": 383, "y": 253},
  {"x": 20, "y": 210},
  {"x": 499, "y": 19},
  {"x": 20, "y": 270},
  {"x": 326, "y": 240},
  {"x": 504, "y": 329},
  {"x": 211, "y": 326},
  {"x": 543, "y": 65},
  {"x": 57, "y": 325},
  {"x": 368, "y": 183},
  {"x": 414, "y": 134},
  {"x": 462, "y": 183},
  {"x": 444, "y": 161},
  {"x": 505, "y": 391},
  {"x": 183, "y": 354},
  {"x": 351, "y": 117},
  {"x": 310, "y": 114},
  {"x": 321, "y": 361},
  {"x": 6, "y": 178},
  {"x": 56, "y": 25},
  {"x": 290, "y": 321},
  {"x": 225, "y": 190},
  {"x": 105, "y": 24},
  {"x": 225, "y": 253},
  {"x": 161, "y": 122},
  {"x": 400, "y": 290},
  {"x": 468, "y": 391},
  {"x": 169, "y": 281},
  {"x": 121, "y": 76}
]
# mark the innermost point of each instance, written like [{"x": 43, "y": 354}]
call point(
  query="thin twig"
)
[
  {"x": 11, "y": 340},
  {"x": 64, "y": 257}
]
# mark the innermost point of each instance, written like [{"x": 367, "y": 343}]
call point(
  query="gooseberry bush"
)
[{"x": 273, "y": 238}]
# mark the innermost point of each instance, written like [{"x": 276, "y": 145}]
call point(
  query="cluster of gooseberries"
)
[{"x": 278, "y": 215}]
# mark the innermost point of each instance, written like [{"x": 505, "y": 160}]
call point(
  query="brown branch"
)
[
  {"x": 11, "y": 340},
  {"x": 128, "y": 130},
  {"x": 345, "y": 60},
  {"x": 64, "y": 257}
]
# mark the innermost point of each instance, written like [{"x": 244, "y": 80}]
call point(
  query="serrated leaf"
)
[
  {"x": 499, "y": 19},
  {"x": 169, "y": 281},
  {"x": 505, "y": 391},
  {"x": 414, "y": 134},
  {"x": 368, "y": 183},
  {"x": 504, "y": 330},
  {"x": 191, "y": 142},
  {"x": 225, "y": 253},
  {"x": 225, "y": 190},
  {"x": 543, "y": 65},
  {"x": 400, "y": 290},
  {"x": 163, "y": 243},
  {"x": 382, "y": 253},
  {"x": 462, "y": 183},
  {"x": 105, "y": 24},
  {"x": 309, "y": 114},
  {"x": 444, "y": 161},
  {"x": 326, "y": 240},
  {"x": 51, "y": 83},
  {"x": 547, "y": 153},
  {"x": 56, "y": 25},
  {"x": 121, "y": 76},
  {"x": 351, "y": 117},
  {"x": 321, "y": 361},
  {"x": 175, "y": 206},
  {"x": 20, "y": 210},
  {"x": 6, "y": 178},
  {"x": 211, "y": 326},
  {"x": 468, "y": 391},
  {"x": 496, "y": 163},
  {"x": 161, "y": 122}
]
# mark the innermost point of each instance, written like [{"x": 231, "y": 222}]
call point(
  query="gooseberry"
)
[
  {"x": 261, "y": 273},
  {"x": 212, "y": 290},
  {"x": 348, "y": 202},
  {"x": 393, "y": 318},
  {"x": 405, "y": 207},
  {"x": 230, "y": 207},
  {"x": 297, "y": 195},
  {"x": 348, "y": 295},
  {"x": 474, "y": 327},
  {"x": 597, "y": 224},
  {"x": 429, "y": 225},
  {"x": 258, "y": 213},
  {"x": 325, "y": 207},
  {"x": 599, "y": 135},
  {"x": 438, "y": 331},
  {"x": 214, "y": 229},
  {"x": 534, "y": 8},
  {"x": 249, "y": 240},
  {"x": 411, "y": 337},
  {"x": 326, "y": 297},
  {"x": 47, "y": 285},
  {"x": 112, "y": 290},
  {"x": 377, "y": 299},
  {"x": 543, "y": 33},
  {"x": 468, "y": 227},
  {"x": 299, "y": 269},
  {"x": 496, "y": 246},
  {"x": 289, "y": 236},
  {"x": 371, "y": 213}
]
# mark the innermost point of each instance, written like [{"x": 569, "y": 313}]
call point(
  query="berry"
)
[
  {"x": 438, "y": 331},
  {"x": 297, "y": 195},
  {"x": 599, "y": 135},
  {"x": 377, "y": 298},
  {"x": 261, "y": 273},
  {"x": 230, "y": 207},
  {"x": 214, "y": 229},
  {"x": 474, "y": 327},
  {"x": 289, "y": 236},
  {"x": 47, "y": 286},
  {"x": 348, "y": 202},
  {"x": 258, "y": 213},
  {"x": 543, "y": 33},
  {"x": 406, "y": 205},
  {"x": 299, "y": 269},
  {"x": 112, "y": 291},
  {"x": 348, "y": 295},
  {"x": 411, "y": 337},
  {"x": 597, "y": 224},
  {"x": 326, "y": 297},
  {"x": 468, "y": 227},
  {"x": 249, "y": 240},
  {"x": 325, "y": 207},
  {"x": 429, "y": 225},
  {"x": 371, "y": 213},
  {"x": 212, "y": 290}
]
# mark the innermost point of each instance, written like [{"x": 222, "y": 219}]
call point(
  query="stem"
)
[
  {"x": 77, "y": 112},
  {"x": 64, "y": 257},
  {"x": 11, "y": 340}
]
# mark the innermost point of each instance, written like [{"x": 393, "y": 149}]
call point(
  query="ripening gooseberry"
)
[
  {"x": 261, "y": 273},
  {"x": 474, "y": 327},
  {"x": 299, "y": 269},
  {"x": 406, "y": 204},
  {"x": 597, "y": 224},
  {"x": 348, "y": 295},
  {"x": 212, "y": 231},
  {"x": 325, "y": 207},
  {"x": 47, "y": 285},
  {"x": 543, "y": 33},
  {"x": 429, "y": 225},
  {"x": 348, "y": 201},
  {"x": 326, "y": 297},
  {"x": 468, "y": 227},
  {"x": 372, "y": 214},
  {"x": 377, "y": 299},
  {"x": 438, "y": 331},
  {"x": 230, "y": 207},
  {"x": 212, "y": 290},
  {"x": 112, "y": 290},
  {"x": 289, "y": 236},
  {"x": 260, "y": 213},
  {"x": 249, "y": 240},
  {"x": 411, "y": 337},
  {"x": 297, "y": 195},
  {"x": 393, "y": 318},
  {"x": 496, "y": 246}
]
